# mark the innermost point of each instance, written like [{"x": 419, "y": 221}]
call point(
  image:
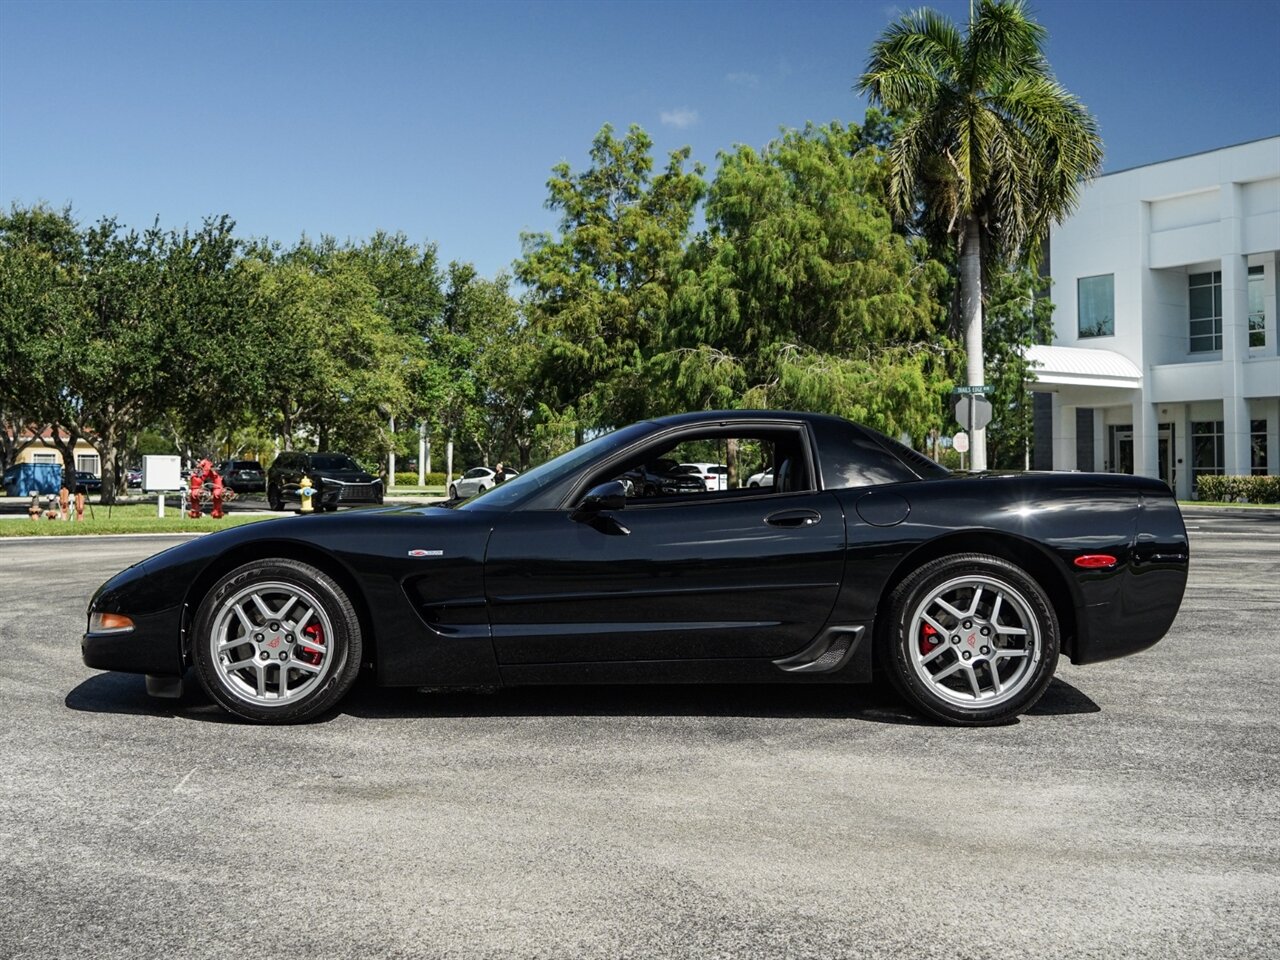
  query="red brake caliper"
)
[
  {"x": 927, "y": 641},
  {"x": 315, "y": 633}
]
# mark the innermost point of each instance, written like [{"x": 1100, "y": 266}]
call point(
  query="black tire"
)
[
  {"x": 753, "y": 485},
  {"x": 274, "y": 500},
  {"x": 482, "y": 489},
  {"x": 332, "y": 632},
  {"x": 453, "y": 492},
  {"x": 968, "y": 677}
]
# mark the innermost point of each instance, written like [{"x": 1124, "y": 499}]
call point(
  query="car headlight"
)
[{"x": 109, "y": 623}]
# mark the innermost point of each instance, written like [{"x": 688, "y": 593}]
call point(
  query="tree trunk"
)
[{"x": 971, "y": 307}]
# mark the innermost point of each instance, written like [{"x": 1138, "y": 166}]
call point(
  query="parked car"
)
[
  {"x": 90, "y": 482},
  {"x": 134, "y": 477},
  {"x": 476, "y": 480},
  {"x": 714, "y": 475},
  {"x": 243, "y": 476},
  {"x": 865, "y": 555},
  {"x": 661, "y": 478},
  {"x": 337, "y": 479},
  {"x": 762, "y": 479}
]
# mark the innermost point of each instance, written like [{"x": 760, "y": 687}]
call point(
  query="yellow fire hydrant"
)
[{"x": 306, "y": 492}]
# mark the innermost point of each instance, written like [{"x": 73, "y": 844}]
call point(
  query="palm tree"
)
[{"x": 993, "y": 149}]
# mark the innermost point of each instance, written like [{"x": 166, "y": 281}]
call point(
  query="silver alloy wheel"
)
[
  {"x": 271, "y": 643},
  {"x": 974, "y": 642}
]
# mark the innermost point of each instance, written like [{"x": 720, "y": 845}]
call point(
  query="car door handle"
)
[{"x": 793, "y": 518}]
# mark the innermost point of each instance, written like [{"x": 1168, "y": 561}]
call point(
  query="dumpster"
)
[{"x": 24, "y": 479}]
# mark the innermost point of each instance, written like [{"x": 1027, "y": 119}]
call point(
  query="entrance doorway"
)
[
  {"x": 1122, "y": 452},
  {"x": 1121, "y": 459}
]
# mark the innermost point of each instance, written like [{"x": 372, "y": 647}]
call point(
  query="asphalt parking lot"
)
[{"x": 1132, "y": 814}]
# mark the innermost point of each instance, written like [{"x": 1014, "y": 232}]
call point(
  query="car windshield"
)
[
  {"x": 333, "y": 461},
  {"x": 539, "y": 478}
]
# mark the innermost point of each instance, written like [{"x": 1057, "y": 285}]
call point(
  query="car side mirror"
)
[{"x": 605, "y": 496}]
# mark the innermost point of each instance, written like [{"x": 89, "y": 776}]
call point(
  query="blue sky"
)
[{"x": 443, "y": 120}]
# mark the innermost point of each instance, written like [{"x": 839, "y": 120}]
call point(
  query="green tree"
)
[
  {"x": 993, "y": 148},
  {"x": 335, "y": 366},
  {"x": 1018, "y": 314},
  {"x": 801, "y": 293},
  {"x": 599, "y": 293}
]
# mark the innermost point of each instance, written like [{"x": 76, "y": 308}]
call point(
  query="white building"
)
[{"x": 1165, "y": 358}]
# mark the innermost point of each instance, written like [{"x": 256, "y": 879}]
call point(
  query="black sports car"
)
[{"x": 963, "y": 589}]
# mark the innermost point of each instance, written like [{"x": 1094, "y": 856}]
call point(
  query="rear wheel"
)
[
  {"x": 972, "y": 640},
  {"x": 274, "y": 500},
  {"x": 276, "y": 641}
]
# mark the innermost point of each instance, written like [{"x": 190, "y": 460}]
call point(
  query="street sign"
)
[
  {"x": 976, "y": 388},
  {"x": 973, "y": 412},
  {"x": 961, "y": 442}
]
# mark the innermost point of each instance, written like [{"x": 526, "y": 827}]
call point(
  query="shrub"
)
[
  {"x": 1238, "y": 489},
  {"x": 410, "y": 479}
]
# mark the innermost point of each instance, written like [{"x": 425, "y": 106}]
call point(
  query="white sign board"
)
[
  {"x": 961, "y": 442},
  {"x": 161, "y": 473}
]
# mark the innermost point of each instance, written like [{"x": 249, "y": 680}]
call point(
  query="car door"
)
[{"x": 749, "y": 575}]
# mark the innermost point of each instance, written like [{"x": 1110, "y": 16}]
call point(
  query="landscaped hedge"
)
[
  {"x": 410, "y": 479},
  {"x": 1239, "y": 489}
]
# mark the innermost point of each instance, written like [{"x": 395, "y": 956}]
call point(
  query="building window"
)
[
  {"x": 1258, "y": 447},
  {"x": 87, "y": 462},
  {"x": 44, "y": 458},
  {"x": 1206, "y": 311},
  {"x": 1206, "y": 448},
  {"x": 1257, "y": 312},
  {"x": 1096, "y": 305}
]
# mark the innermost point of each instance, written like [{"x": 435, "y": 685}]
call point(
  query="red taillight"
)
[{"x": 1095, "y": 561}]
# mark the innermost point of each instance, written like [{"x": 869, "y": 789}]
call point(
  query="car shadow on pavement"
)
[{"x": 875, "y": 703}]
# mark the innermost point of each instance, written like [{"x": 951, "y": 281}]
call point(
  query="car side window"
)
[{"x": 716, "y": 464}]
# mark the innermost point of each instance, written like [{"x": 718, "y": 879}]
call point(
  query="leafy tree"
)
[
  {"x": 40, "y": 251},
  {"x": 801, "y": 293},
  {"x": 993, "y": 149},
  {"x": 599, "y": 292},
  {"x": 335, "y": 365},
  {"x": 1018, "y": 314}
]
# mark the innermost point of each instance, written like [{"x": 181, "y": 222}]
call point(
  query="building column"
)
[
  {"x": 1146, "y": 439},
  {"x": 1064, "y": 434},
  {"x": 1235, "y": 335},
  {"x": 1101, "y": 455}
]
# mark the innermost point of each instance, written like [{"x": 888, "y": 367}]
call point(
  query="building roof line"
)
[{"x": 1187, "y": 156}]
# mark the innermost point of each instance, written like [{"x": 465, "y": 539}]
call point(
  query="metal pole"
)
[
  {"x": 422, "y": 453},
  {"x": 448, "y": 465},
  {"x": 391, "y": 457}
]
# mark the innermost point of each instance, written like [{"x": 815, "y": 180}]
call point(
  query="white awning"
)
[{"x": 1082, "y": 366}]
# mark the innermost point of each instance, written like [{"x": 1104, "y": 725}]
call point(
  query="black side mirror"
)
[{"x": 605, "y": 496}]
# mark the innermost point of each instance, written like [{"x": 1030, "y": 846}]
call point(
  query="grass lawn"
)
[
  {"x": 1221, "y": 503},
  {"x": 129, "y": 518}
]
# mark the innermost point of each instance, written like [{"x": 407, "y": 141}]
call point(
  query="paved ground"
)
[{"x": 1132, "y": 814}]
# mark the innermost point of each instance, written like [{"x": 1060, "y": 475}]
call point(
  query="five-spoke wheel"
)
[
  {"x": 972, "y": 639},
  {"x": 276, "y": 641}
]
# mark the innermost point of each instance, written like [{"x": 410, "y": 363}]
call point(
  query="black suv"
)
[
  {"x": 336, "y": 477},
  {"x": 243, "y": 476}
]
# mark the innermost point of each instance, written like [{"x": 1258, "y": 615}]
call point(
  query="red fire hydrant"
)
[{"x": 205, "y": 474}]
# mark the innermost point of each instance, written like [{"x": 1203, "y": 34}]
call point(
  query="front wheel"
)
[
  {"x": 971, "y": 640},
  {"x": 276, "y": 641},
  {"x": 453, "y": 492},
  {"x": 274, "y": 500}
]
